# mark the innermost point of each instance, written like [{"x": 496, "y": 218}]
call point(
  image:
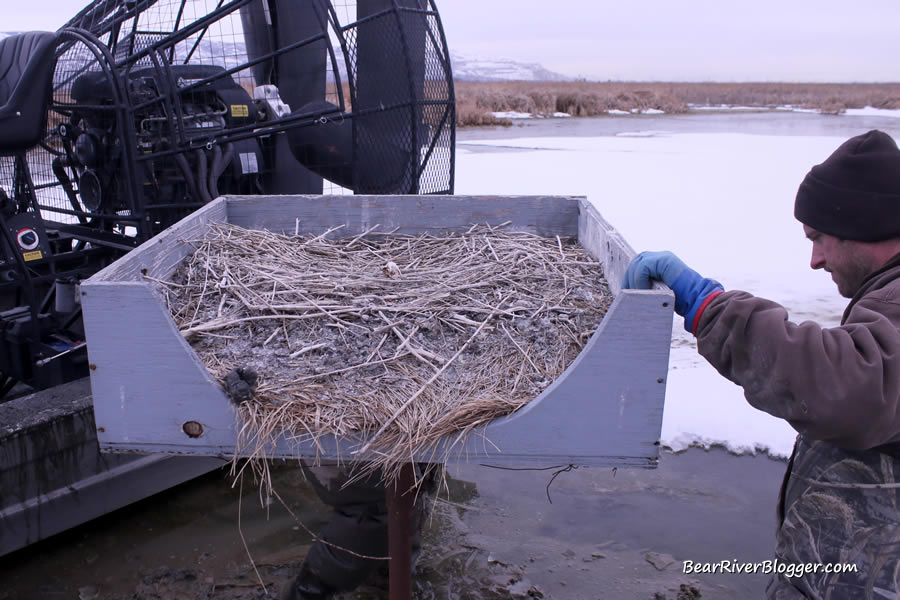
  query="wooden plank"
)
[
  {"x": 604, "y": 243},
  {"x": 146, "y": 379},
  {"x": 543, "y": 215},
  {"x": 159, "y": 256}
]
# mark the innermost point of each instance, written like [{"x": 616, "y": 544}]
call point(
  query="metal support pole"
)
[{"x": 401, "y": 499}]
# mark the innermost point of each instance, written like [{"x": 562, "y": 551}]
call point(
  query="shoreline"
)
[
  {"x": 477, "y": 102},
  {"x": 509, "y": 118}
]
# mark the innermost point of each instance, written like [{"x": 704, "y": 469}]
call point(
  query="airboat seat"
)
[{"x": 26, "y": 78}]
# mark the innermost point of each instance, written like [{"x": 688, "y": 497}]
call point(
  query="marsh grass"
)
[{"x": 476, "y": 101}]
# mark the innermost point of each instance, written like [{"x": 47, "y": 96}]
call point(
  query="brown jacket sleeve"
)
[{"x": 840, "y": 385}]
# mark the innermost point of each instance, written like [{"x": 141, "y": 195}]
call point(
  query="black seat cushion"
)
[{"x": 26, "y": 78}]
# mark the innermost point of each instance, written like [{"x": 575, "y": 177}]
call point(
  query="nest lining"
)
[{"x": 396, "y": 338}]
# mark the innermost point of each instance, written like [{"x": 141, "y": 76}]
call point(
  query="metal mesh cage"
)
[
  {"x": 331, "y": 63},
  {"x": 411, "y": 97},
  {"x": 159, "y": 106}
]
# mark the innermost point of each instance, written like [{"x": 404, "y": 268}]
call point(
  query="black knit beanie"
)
[{"x": 855, "y": 193}]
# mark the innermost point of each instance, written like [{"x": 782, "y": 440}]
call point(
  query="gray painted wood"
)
[
  {"x": 606, "y": 409},
  {"x": 543, "y": 215},
  {"x": 159, "y": 256},
  {"x": 605, "y": 244},
  {"x": 146, "y": 380}
]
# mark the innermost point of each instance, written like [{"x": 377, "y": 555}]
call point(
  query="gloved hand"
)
[{"x": 690, "y": 288}]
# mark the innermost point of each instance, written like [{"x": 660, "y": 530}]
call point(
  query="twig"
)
[
  {"x": 362, "y": 235},
  {"x": 306, "y": 349},
  {"x": 516, "y": 344},
  {"x": 244, "y": 541},
  {"x": 427, "y": 383},
  {"x": 344, "y": 370}
]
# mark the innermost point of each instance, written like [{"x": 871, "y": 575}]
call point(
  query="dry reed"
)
[
  {"x": 401, "y": 339},
  {"x": 476, "y": 101}
]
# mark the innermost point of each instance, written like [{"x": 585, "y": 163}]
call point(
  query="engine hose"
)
[
  {"x": 188, "y": 175},
  {"x": 214, "y": 171},
  {"x": 203, "y": 172},
  {"x": 8, "y": 383},
  {"x": 226, "y": 158},
  {"x": 229, "y": 154},
  {"x": 221, "y": 160},
  {"x": 60, "y": 171}
]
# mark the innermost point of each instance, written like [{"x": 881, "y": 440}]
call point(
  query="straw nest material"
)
[{"x": 405, "y": 339}]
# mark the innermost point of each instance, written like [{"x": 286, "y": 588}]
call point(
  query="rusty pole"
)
[{"x": 401, "y": 498}]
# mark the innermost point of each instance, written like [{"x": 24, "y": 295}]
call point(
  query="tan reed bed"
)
[{"x": 405, "y": 338}]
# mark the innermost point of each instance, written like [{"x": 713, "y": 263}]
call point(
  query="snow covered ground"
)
[
  {"x": 868, "y": 111},
  {"x": 723, "y": 202},
  {"x": 871, "y": 111}
]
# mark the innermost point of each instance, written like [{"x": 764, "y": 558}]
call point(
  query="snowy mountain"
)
[{"x": 467, "y": 68}]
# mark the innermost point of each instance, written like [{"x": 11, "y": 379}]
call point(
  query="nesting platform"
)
[{"x": 151, "y": 393}]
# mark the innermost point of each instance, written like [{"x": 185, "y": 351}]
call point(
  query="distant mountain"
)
[{"x": 467, "y": 68}]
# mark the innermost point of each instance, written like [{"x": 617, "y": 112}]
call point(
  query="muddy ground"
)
[{"x": 606, "y": 534}]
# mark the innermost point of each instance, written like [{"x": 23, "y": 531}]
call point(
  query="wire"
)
[{"x": 559, "y": 469}]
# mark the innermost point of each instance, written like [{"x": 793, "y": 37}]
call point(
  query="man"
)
[
  {"x": 358, "y": 529},
  {"x": 352, "y": 547},
  {"x": 838, "y": 387}
]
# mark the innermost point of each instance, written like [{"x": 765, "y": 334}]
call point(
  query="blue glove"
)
[{"x": 690, "y": 288}]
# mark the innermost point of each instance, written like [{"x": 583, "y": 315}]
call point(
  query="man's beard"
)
[{"x": 851, "y": 277}]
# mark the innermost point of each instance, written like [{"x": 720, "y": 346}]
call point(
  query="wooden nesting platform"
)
[{"x": 151, "y": 393}]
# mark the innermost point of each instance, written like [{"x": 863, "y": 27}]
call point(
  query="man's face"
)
[{"x": 848, "y": 262}]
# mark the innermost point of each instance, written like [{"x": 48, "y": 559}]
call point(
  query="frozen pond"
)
[
  {"x": 715, "y": 188},
  {"x": 776, "y": 122}
]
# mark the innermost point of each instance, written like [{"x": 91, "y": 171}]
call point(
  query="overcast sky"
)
[{"x": 762, "y": 40}]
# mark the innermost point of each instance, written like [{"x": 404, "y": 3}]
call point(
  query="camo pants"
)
[
  {"x": 359, "y": 523},
  {"x": 839, "y": 507}
]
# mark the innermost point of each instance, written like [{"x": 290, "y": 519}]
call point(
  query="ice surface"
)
[
  {"x": 723, "y": 202},
  {"x": 871, "y": 111}
]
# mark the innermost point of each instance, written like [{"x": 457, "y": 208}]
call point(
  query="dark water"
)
[
  {"x": 195, "y": 524},
  {"x": 698, "y": 505}
]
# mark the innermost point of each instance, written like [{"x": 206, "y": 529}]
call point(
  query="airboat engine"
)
[{"x": 187, "y": 179}]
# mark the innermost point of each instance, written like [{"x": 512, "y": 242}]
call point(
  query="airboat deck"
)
[
  {"x": 152, "y": 394},
  {"x": 53, "y": 476}
]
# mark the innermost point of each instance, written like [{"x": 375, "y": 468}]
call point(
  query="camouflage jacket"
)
[{"x": 840, "y": 389}]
